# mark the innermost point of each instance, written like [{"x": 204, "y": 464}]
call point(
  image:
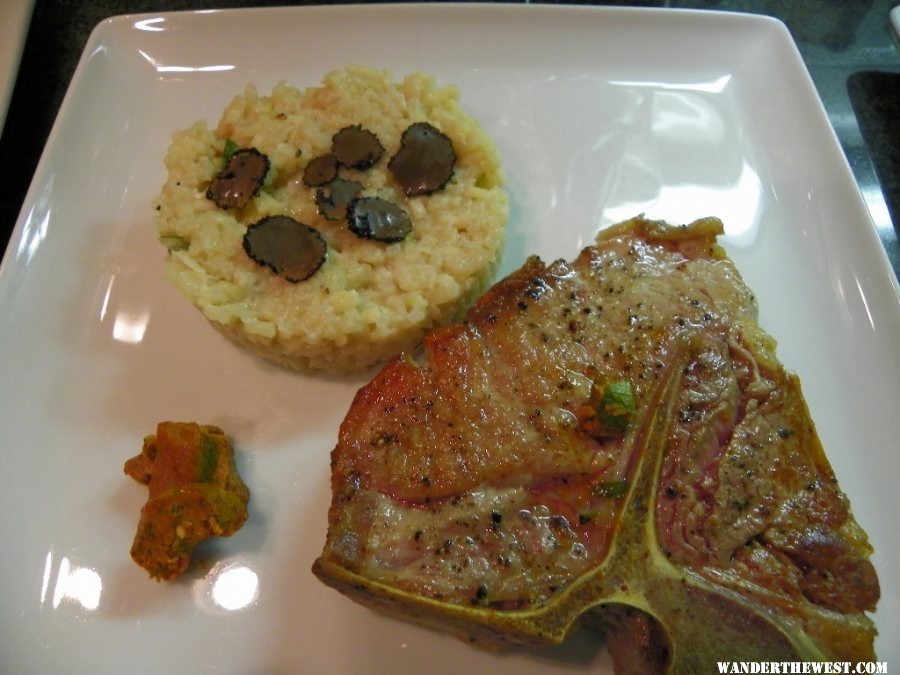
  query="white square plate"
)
[{"x": 598, "y": 114}]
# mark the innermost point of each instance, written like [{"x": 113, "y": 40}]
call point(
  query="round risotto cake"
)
[{"x": 369, "y": 299}]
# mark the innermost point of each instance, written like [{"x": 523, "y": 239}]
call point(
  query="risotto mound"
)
[{"x": 369, "y": 299}]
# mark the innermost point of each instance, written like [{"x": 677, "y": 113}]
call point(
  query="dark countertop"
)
[{"x": 848, "y": 46}]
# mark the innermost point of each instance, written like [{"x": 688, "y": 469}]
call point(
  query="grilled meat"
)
[{"x": 611, "y": 440}]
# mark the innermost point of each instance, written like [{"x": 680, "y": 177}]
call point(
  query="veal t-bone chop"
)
[{"x": 611, "y": 441}]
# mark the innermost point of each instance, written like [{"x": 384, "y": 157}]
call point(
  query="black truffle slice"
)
[
  {"x": 376, "y": 218},
  {"x": 424, "y": 163},
  {"x": 287, "y": 247},
  {"x": 333, "y": 198},
  {"x": 356, "y": 148},
  {"x": 320, "y": 170},
  {"x": 240, "y": 180}
]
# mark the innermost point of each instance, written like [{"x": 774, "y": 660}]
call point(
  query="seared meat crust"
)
[{"x": 474, "y": 490}]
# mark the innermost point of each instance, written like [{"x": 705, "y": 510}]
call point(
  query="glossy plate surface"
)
[{"x": 599, "y": 114}]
